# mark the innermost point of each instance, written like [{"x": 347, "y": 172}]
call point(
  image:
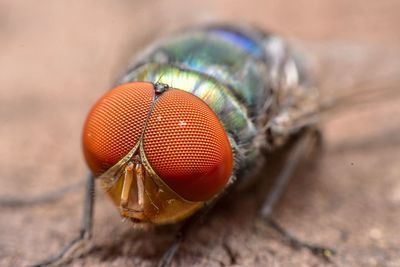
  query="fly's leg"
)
[
  {"x": 324, "y": 252},
  {"x": 300, "y": 149},
  {"x": 77, "y": 246}
]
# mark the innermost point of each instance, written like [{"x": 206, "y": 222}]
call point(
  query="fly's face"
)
[{"x": 161, "y": 153}]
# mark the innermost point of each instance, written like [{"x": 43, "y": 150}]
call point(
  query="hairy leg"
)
[
  {"x": 294, "y": 159},
  {"x": 78, "y": 245}
]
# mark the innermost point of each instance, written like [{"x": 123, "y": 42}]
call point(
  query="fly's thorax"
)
[
  {"x": 231, "y": 59},
  {"x": 253, "y": 82},
  {"x": 232, "y": 113},
  {"x": 178, "y": 156}
]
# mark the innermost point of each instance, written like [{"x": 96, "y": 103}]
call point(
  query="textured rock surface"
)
[{"x": 57, "y": 57}]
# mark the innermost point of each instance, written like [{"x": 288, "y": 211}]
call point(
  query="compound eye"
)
[
  {"x": 115, "y": 124},
  {"x": 187, "y": 146}
]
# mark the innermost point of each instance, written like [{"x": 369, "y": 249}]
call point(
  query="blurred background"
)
[{"x": 58, "y": 57}]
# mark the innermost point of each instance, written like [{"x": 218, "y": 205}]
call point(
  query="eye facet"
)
[
  {"x": 115, "y": 124},
  {"x": 187, "y": 146}
]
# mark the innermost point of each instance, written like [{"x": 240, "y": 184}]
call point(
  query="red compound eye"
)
[
  {"x": 115, "y": 123},
  {"x": 187, "y": 146}
]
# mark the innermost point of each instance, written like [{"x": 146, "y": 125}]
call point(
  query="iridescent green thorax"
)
[
  {"x": 251, "y": 80},
  {"x": 212, "y": 54},
  {"x": 218, "y": 97}
]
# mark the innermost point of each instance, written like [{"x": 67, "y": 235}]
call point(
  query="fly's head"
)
[{"x": 161, "y": 153}]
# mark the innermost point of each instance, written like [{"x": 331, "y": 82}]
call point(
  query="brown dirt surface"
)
[{"x": 58, "y": 57}]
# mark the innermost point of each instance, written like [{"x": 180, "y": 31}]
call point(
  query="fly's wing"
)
[
  {"x": 349, "y": 75},
  {"x": 346, "y": 75}
]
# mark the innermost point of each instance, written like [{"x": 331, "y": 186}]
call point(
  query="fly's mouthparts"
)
[
  {"x": 126, "y": 189},
  {"x": 132, "y": 194},
  {"x": 140, "y": 183}
]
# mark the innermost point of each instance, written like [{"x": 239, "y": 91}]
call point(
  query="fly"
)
[{"x": 194, "y": 116}]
